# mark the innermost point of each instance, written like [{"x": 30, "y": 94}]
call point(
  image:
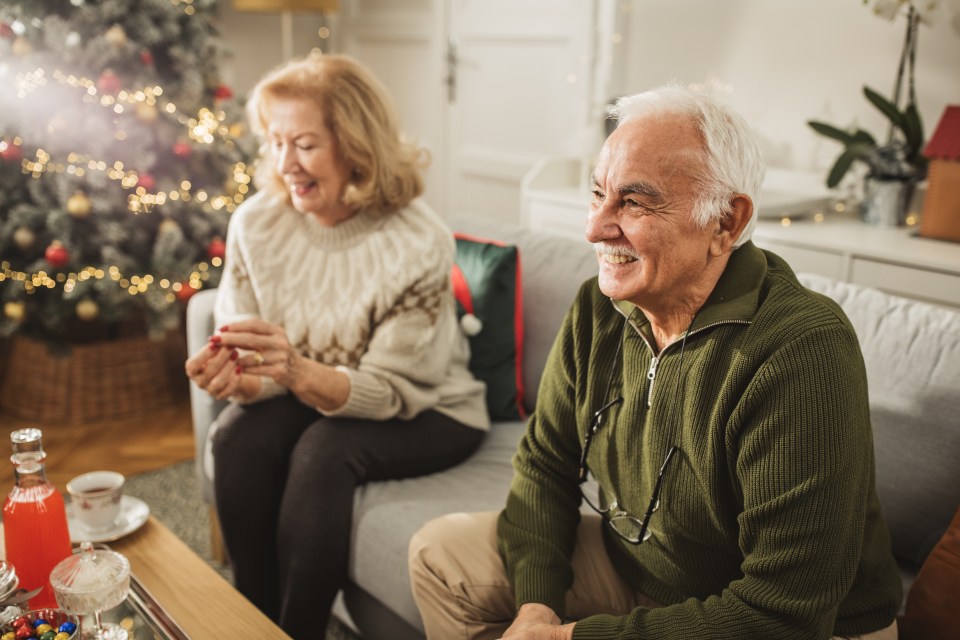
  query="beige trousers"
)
[{"x": 462, "y": 590}]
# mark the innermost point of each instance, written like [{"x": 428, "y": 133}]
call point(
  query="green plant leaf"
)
[
  {"x": 830, "y": 131},
  {"x": 843, "y": 164},
  {"x": 887, "y": 108},
  {"x": 913, "y": 130},
  {"x": 862, "y": 137}
]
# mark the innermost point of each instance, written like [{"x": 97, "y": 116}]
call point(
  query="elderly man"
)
[{"x": 711, "y": 412}]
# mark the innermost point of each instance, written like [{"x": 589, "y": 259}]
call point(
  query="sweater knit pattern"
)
[
  {"x": 370, "y": 295},
  {"x": 769, "y": 524}
]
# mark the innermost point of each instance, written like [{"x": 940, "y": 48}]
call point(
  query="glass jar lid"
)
[
  {"x": 8, "y": 580},
  {"x": 89, "y": 569}
]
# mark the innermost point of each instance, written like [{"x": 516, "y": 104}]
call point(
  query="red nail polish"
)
[
  {"x": 239, "y": 369},
  {"x": 234, "y": 355},
  {"x": 214, "y": 346},
  {"x": 225, "y": 327}
]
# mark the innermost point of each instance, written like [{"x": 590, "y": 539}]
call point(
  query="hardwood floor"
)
[{"x": 128, "y": 445}]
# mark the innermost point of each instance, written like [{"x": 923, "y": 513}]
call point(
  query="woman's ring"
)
[{"x": 258, "y": 358}]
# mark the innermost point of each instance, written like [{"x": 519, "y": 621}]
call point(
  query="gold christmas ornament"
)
[
  {"x": 87, "y": 310},
  {"x": 237, "y": 129},
  {"x": 24, "y": 237},
  {"x": 146, "y": 112},
  {"x": 78, "y": 205},
  {"x": 15, "y": 310},
  {"x": 116, "y": 36},
  {"x": 169, "y": 226},
  {"x": 21, "y": 47}
]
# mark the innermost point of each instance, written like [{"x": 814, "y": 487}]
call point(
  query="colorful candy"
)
[{"x": 23, "y": 628}]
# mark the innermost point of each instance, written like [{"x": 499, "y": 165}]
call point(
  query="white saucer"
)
[{"x": 133, "y": 514}]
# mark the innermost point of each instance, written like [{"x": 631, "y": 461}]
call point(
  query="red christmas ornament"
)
[
  {"x": 186, "y": 292},
  {"x": 217, "y": 248},
  {"x": 108, "y": 82},
  {"x": 222, "y": 92},
  {"x": 146, "y": 181},
  {"x": 6, "y": 31},
  {"x": 146, "y": 58},
  {"x": 182, "y": 149},
  {"x": 10, "y": 152},
  {"x": 57, "y": 255}
]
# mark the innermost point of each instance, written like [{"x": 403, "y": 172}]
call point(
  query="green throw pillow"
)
[{"x": 486, "y": 283}]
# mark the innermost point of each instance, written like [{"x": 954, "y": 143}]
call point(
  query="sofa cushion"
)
[
  {"x": 933, "y": 604},
  {"x": 486, "y": 284},
  {"x": 554, "y": 267},
  {"x": 912, "y": 353},
  {"x": 387, "y": 514}
]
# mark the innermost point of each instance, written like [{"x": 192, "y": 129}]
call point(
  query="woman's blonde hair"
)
[{"x": 385, "y": 168}]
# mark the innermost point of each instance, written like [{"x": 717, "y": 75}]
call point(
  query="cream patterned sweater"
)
[{"x": 370, "y": 296}]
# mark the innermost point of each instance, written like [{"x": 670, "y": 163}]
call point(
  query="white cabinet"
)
[
  {"x": 892, "y": 259},
  {"x": 555, "y": 197}
]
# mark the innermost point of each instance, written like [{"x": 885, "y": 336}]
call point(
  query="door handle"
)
[{"x": 452, "y": 59}]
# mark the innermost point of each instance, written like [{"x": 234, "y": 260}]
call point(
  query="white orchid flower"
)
[
  {"x": 927, "y": 10},
  {"x": 888, "y": 9}
]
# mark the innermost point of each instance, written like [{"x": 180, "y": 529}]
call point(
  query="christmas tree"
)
[{"x": 122, "y": 156}]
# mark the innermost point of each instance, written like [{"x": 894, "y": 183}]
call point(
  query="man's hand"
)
[{"x": 538, "y": 622}]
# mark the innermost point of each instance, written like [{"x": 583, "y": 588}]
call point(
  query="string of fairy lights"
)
[
  {"x": 205, "y": 128},
  {"x": 208, "y": 126},
  {"x": 134, "y": 285}
]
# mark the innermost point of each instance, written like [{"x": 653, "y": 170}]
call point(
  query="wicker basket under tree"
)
[{"x": 128, "y": 375}]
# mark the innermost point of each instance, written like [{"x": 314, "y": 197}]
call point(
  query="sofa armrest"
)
[{"x": 204, "y": 409}]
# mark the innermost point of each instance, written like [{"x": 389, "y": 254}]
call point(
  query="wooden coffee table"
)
[{"x": 187, "y": 590}]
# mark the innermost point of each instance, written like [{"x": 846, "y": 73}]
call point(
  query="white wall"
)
[
  {"x": 256, "y": 43},
  {"x": 789, "y": 62}
]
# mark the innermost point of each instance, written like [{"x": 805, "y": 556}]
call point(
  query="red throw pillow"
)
[
  {"x": 486, "y": 284},
  {"x": 933, "y": 603}
]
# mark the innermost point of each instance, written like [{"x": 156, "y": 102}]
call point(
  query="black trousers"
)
[{"x": 284, "y": 479}]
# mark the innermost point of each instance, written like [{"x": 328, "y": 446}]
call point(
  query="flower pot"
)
[{"x": 886, "y": 202}]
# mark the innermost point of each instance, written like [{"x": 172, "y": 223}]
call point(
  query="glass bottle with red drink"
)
[{"x": 34, "y": 519}]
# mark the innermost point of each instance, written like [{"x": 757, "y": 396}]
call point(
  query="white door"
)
[
  {"x": 521, "y": 93},
  {"x": 489, "y": 86}
]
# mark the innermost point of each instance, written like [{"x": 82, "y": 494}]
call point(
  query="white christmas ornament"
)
[{"x": 470, "y": 325}]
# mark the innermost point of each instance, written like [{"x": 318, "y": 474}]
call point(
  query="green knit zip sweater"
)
[{"x": 769, "y": 524}]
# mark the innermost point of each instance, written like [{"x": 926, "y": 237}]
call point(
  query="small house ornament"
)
[{"x": 941, "y": 207}]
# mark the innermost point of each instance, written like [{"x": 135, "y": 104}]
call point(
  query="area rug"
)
[{"x": 174, "y": 498}]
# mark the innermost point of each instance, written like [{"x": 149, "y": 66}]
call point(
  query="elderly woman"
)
[{"x": 338, "y": 342}]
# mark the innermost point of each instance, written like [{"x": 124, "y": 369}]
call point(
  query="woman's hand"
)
[
  {"x": 538, "y": 622},
  {"x": 270, "y": 352},
  {"x": 214, "y": 369}
]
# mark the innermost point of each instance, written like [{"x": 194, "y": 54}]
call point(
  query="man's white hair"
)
[{"x": 734, "y": 162}]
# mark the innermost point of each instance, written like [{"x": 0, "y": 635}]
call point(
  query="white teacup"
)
[{"x": 96, "y": 497}]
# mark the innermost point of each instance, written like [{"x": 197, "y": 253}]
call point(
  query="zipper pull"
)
[{"x": 651, "y": 375}]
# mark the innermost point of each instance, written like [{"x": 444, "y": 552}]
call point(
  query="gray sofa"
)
[{"x": 912, "y": 352}]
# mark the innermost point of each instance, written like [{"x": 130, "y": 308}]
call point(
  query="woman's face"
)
[{"x": 308, "y": 159}]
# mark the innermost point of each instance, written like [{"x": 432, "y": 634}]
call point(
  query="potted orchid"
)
[{"x": 897, "y": 165}]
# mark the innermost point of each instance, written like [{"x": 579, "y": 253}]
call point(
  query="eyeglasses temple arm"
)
[
  {"x": 597, "y": 418},
  {"x": 656, "y": 492}
]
